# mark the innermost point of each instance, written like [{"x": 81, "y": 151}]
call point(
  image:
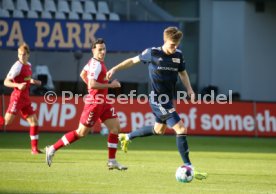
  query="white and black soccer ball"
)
[{"x": 184, "y": 174}]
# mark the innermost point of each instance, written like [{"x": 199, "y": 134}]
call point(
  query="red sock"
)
[
  {"x": 34, "y": 137},
  {"x": 67, "y": 139},
  {"x": 112, "y": 142}
]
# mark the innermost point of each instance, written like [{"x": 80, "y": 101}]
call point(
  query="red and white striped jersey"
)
[
  {"x": 96, "y": 70},
  {"x": 21, "y": 73}
]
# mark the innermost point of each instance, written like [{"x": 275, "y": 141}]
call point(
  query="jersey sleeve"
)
[
  {"x": 86, "y": 68},
  {"x": 182, "y": 65},
  {"x": 93, "y": 70},
  {"x": 145, "y": 56},
  {"x": 15, "y": 70}
]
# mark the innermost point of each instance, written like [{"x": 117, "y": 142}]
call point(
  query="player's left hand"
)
[{"x": 38, "y": 82}]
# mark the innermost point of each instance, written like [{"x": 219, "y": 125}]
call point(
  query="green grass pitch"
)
[{"x": 235, "y": 165}]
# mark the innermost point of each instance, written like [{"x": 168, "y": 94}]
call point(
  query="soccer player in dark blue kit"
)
[{"x": 165, "y": 64}]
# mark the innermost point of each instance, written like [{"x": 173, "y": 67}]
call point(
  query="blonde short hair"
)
[
  {"x": 24, "y": 47},
  {"x": 172, "y": 33}
]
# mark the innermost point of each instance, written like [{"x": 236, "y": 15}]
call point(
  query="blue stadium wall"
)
[
  {"x": 54, "y": 42},
  {"x": 58, "y": 35}
]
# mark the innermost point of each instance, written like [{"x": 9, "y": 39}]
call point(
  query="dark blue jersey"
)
[{"x": 163, "y": 71}]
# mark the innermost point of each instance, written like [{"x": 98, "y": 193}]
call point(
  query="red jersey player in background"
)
[
  {"x": 96, "y": 107},
  {"x": 19, "y": 78}
]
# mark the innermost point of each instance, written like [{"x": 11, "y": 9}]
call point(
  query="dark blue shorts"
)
[{"x": 165, "y": 113}]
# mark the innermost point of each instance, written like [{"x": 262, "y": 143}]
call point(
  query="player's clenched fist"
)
[{"x": 115, "y": 84}]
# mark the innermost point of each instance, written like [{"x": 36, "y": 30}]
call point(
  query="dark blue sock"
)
[
  {"x": 183, "y": 148},
  {"x": 142, "y": 132}
]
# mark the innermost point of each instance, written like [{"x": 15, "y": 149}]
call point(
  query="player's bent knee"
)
[
  {"x": 182, "y": 130},
  {"x": 159, "y": 132},
  {"x": 9, "y": 119},
  {"x": 82, "y": 130},
  {"x": 32, "y": 120},
  {"x": 81, "y": 133},
  {"x": 33, "y": 123},
  {"x": 114, "y": 131},
  {"x": 7, "y": 122}
]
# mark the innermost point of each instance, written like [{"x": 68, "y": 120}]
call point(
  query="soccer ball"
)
[{"x": 184, "y": 174}]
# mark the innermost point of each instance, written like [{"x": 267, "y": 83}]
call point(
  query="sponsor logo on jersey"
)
[
  {"x": 27, "y": 78},
  {"x": 167, "y": 68},
  {"x": 176, "y": 60}
]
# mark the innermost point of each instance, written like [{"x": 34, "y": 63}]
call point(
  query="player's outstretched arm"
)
[
  {"x": 123, "y": 65},
  {"x": 35, "y": 82}
]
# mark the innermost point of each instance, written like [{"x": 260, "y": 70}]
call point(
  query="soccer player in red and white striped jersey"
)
[
  {"x": 96, "y": 107},
  {"x": 19, "y": 78}
]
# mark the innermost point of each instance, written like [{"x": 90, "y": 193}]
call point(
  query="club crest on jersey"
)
[
  {"x": 27, "y": 78},
  {"x": 176, "y": 60}
]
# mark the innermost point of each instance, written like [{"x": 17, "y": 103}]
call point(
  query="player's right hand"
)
[
  {"x": 115, "y": 84},
  {"x": 109, "y": 74},
  {"x": 22, "y": 86}
]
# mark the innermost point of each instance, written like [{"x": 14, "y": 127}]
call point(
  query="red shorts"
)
[
  {"x": 24, "y": 106},
  {"x": 92, "y": 112}
]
